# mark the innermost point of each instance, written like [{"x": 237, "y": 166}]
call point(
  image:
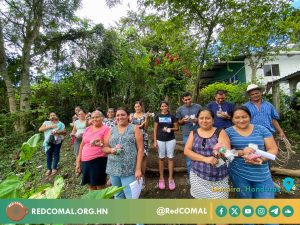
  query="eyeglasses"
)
[{"x": 203, "y": 143}]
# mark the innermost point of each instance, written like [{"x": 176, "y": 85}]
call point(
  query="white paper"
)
[
  {"x": 220, "y": 162},
  {"x": 262, "y": 153},
  {"x": 136, "y": 188},
  {"x": 265, "y": 154}
]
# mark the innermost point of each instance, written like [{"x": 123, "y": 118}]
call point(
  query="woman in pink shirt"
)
[{"x": 91, "y": 159}]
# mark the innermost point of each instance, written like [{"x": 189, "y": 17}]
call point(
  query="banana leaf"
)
[
  {"x": 10, "y": 187},
  {"x": 29, "y": 148},
  {"x": 106, "y": 193},
  {"x": 50, "y": 192}
]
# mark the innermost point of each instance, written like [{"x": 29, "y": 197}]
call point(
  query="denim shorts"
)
[{"x": 166, "y": 148}]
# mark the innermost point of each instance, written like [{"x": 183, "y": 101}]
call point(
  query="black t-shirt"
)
[{"x": 165, "y": 120}]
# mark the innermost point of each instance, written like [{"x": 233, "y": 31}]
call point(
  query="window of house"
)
[{"x": 271, "y": 70}]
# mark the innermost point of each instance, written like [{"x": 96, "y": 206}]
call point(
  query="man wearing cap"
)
[
  {"x": 187, "y": 119},
  {"x": 262, "y": 112},
  {"x": 222, "y": 110}
]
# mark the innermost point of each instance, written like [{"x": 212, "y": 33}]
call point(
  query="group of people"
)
[
  {"x": 118, "y": 145},
  {"x": 253, "y": 123}
]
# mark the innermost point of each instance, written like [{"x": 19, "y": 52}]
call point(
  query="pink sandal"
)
[
  {"x": 161, "y": 184},
  {"x": 172, "y": 185}
]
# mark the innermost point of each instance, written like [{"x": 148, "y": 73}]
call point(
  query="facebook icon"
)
[{"x": 221, "y": 211}]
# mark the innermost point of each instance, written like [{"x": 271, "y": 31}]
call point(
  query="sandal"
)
[
  {"x": 54, "y": 171},
  {"x": 172, "y": 185},
  {"x": 161, "y": 184},
  {"x": 48, "y": 173}
]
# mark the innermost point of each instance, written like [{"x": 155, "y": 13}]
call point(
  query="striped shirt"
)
[
  {"x": 255, "y": 173},
  {"x": 204, "y": 146},
  {"x": 264, "y": 115}
]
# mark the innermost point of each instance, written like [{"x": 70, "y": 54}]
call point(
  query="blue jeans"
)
[
  {"x": 122, "y": 181},
  {"x": 53, "y": 155},
  {"x": 247, "y": 188},
  {"x": 187, "y": 159}
]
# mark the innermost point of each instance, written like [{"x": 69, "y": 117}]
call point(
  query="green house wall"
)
[{"x": 230, "y": 70}]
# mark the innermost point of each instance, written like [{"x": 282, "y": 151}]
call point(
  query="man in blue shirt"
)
[
  {"x": 186, "y": 115},
  {"x": 222, "y": 110},
  {"x": 262, "y": 112}
]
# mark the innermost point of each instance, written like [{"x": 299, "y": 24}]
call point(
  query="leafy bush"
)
[{"x": 235, "y": 92}]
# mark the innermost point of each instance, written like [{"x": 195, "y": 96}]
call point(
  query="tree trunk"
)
[
  {"x": 31, "y": 32},
  {"x": 253, "y": 74},
  {"x": 202, "y": 62},
  {"x": 197, "y": 85},
  {"x": 3, "y": 72},
  {"x": 25, "y": 78},
  {"x": 253, "y": 66}
]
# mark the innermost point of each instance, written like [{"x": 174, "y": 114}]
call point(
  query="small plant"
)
[{"x": 25, "y": 185}]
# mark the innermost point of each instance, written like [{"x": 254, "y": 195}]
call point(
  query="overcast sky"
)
[{"x": 97, "y": 11}]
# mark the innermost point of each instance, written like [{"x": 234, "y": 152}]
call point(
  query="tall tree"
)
[
  {"x": 203, "y": 20},
  {"x": 162, "y": 59},
  {"x": 258, "y": 30},
  {"x": 21, "y": 25},
  {"x": 4, "y": 73}
]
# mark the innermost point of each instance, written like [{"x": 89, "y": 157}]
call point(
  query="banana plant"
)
[
  {"x": 27, "y": 186},
  {"x": 29, "y": 148}
]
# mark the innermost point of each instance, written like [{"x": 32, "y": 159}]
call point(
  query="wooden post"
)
[
  {"x": 293, "y": 85},
  {"x": 275, "y": 95}
]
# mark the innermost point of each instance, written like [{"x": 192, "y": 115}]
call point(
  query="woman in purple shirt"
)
[{"x": 205, "y": 176}]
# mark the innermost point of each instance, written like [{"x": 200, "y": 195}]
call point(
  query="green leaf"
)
[
  {"x": 50, "y": 192},
  {"x": 9, "y": 188},
  {"x": 32, "y": 192},
  {"x": 29, "y": 148},
  {"x": 106, "y": 193},
  {"x": 34, "y": 140},
  {"x": 27, "y": 176}
]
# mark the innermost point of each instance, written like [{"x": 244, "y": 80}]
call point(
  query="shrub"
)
[{"x": 235, "y": 92}]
